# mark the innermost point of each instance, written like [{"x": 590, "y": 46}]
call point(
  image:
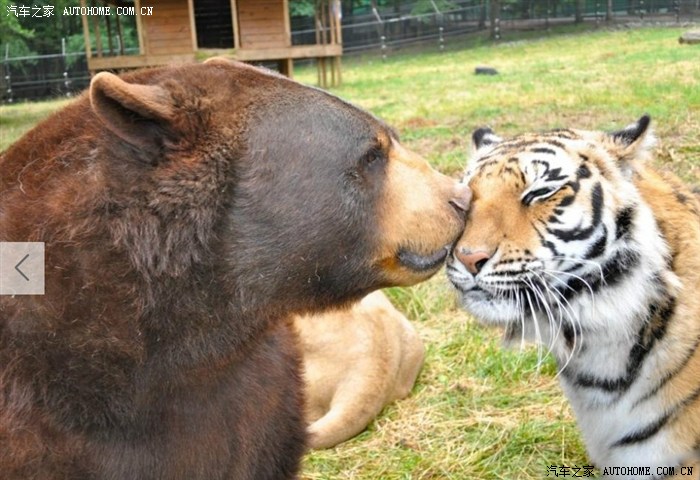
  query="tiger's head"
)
[{"x": 556, "y": 227}]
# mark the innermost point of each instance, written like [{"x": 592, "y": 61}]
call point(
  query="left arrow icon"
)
[
  {"x": 20, "y": 263},
  {"x": 21, "y": 272}
]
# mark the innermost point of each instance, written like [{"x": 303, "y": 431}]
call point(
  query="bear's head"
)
[
  {"x": 319, "y": 200},
  {"x": 288, "y": 193}
]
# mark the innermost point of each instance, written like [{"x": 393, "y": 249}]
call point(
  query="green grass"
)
[
  {"x": 18, "y": 118},
  {"x": 479, "y": 411},
  {"x": 602, "y": 79}
]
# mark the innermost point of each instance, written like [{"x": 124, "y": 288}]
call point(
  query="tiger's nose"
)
[{"x": 474, "y": 261}]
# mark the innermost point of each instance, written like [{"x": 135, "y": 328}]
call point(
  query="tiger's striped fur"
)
[{"x": 574, "y": 241}]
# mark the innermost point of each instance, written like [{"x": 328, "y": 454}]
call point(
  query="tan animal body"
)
[{"x": 356, "y": 361}]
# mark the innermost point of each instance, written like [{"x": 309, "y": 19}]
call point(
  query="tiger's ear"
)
[
  {"x": 633, "y": 141},
  {"x": 484, "y": 137},
  {"x": 141, "y": 115}
]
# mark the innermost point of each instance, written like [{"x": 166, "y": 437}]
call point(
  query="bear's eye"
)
[
  {"x": 373, "y": 157},
  {"x": 538, "y": 194}
]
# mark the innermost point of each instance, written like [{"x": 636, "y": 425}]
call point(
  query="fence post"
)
[
  {"x": 8, "y": 76},
  {"x": 381, "y": 29},
  {"x": 64, "y": 59},
  {"x": 495, "y": 14},
  {"x": 677, "y": 9}
]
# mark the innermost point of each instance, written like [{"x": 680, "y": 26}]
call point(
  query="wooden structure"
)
[{"x": 193, "y": 30}]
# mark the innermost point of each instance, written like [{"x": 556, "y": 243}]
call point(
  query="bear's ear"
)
[{"x": 139, "y": 114}]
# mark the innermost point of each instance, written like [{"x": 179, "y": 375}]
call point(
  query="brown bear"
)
[{"x": 187, "y": 213}]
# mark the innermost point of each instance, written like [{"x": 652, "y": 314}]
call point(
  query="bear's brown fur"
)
[{"x": 187, "y": 212}]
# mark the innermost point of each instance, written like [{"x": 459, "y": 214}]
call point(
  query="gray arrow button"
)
[{"x": 21, "y": 268}]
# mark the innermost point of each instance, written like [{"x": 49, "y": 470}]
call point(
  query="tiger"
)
[{"x": 575, "y": 242}]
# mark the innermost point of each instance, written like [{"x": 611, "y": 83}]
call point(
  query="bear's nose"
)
[
  {"x": 461, "y": 198},
  {"x": 474, "y": 261}
]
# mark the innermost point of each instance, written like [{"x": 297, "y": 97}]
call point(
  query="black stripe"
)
[
  {"x": 543, "y": 150},
  {"x": 483, "y": 163},
  {"x": 670, "y": 375},
  {"x": 615, "y": 269},
  {"x": 681, "y": 197},
  {"x": 557, "y": 143},
  {"x": 584, "y": 233},
  {"x": 569, "y": 199},
  {"x": 583, "y": 172},
  {"x": 564, "y": 133},
  {"x": 506, "y": 273},
  {"x": 652, "y": 331},
  {"x": 612, "y": 271},
  {"x": 692, "y": 398},
  {"x": 566, "y": 201},
  {"x": 652, "y": 429},
  {"x": 546, "y": 243},
  {"x": 645, "y": 433},
  {"x": 570, "y": 333},
  {"x": 623, "y": 221},
  {"x": 510, "y": 170},
  {"x": 554, "y": 175},
  {"x": 598, "y": 248},
  {"x": 605, "y": 384}
]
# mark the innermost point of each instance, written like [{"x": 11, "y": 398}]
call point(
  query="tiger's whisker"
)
[{"x": 550, "y": 317}]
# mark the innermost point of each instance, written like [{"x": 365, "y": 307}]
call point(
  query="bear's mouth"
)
[{"x": 423, "y": 263}]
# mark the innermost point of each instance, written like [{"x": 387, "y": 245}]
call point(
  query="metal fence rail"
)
[{"x": 43, "y": 76}]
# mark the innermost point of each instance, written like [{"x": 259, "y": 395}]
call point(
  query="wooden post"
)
[
  {"x": 193, "y": 25},
  {"x": 286, "y": 67},
  {"x": 234, "y": 22},
  {"x": 143, "y": 48}
]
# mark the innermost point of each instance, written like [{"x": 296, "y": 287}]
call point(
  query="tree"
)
[{"x": 13, "y": 35}]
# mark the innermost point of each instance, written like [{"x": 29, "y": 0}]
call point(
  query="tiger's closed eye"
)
[{"x": 538, "y": 194}]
